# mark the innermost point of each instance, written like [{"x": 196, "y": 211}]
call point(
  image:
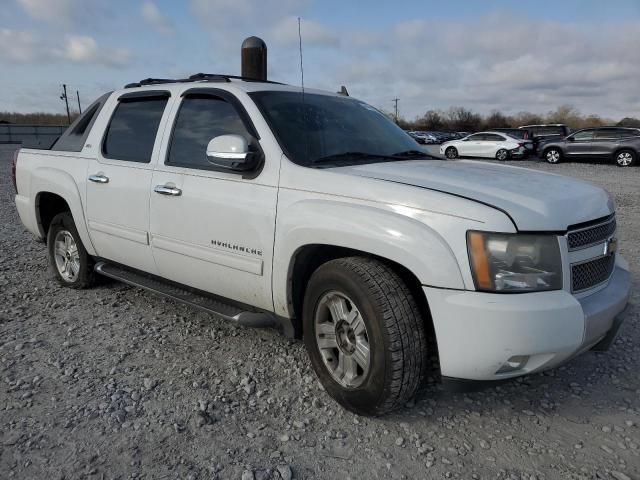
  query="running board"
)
[{"x": 184, "y": 295}]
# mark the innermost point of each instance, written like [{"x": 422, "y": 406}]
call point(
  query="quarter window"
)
[
  {"x": 132, "y": 131},
  {"x": 201, "y": 118}
]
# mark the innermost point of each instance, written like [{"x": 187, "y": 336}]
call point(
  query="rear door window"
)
[
  {"x": 132, "y": 130},
  {"x": 607, "y": 134}
]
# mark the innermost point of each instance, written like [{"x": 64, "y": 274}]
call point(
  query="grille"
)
[
  {"x": 592, "y": 235},
  {"x": 589, "y": 274}
]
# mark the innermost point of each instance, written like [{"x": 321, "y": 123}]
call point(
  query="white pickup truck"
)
[{"x": 312, "y": 212}]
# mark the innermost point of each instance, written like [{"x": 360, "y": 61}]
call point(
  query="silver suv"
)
[{"x": 621, "y": 145}]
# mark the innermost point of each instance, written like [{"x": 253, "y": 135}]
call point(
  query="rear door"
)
[
  {"x": 119, "y": 180},
  {"x": 215, "y": 231},
  {"x": 605, "y": 141}
]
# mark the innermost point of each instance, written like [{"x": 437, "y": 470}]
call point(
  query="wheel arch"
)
[
  {"x": 308, "y": 258},
  {"x": 55, "y": 191},
  {"x": 622, "y": 149}
]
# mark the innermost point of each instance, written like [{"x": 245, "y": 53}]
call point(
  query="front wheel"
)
[
  {"x": 71, "y": 264},
  {"x": 364, "y": 335},
  {"x": 451, "y": 153},
  {"x": 502, "y": 154},
  {"x": 553, "y": 155},
  {"x": 625, "y": 158}
]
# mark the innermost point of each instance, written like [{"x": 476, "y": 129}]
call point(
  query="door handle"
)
[
  {"x": 167, "y": 190},
  {"x": 98, "y": 178}
]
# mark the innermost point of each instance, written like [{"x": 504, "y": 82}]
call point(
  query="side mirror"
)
[
  {"x": 230, "y": 152},
  {"x": 570, "y": 139}
]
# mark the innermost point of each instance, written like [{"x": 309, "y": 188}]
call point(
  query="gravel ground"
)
[{"x": 114, "y": 382}]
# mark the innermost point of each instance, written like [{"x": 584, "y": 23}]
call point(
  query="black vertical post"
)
[
  {"x": 79, "y": 107},
  {"x": 66, "y": 101},
  {"x": 395, "y": 100}
]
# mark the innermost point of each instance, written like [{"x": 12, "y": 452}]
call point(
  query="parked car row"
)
[{"x": 435, "y": 138}]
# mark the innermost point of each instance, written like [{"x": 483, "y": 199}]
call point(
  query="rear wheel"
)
[
  {"x": 364, "y": 334},
  {"x": 451, "y": 153},
  {"x": 625, "y": 158},
  {"x": 502, "y": 154},
  {"x": 552, "y": 155},
  {"x": 70, "y": 262}
]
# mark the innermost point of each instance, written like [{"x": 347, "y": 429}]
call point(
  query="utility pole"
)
[
  {"x": 66, "y": 101},
  {"x": 79, "y": 107},
  {"x": 395, "y": 101}
]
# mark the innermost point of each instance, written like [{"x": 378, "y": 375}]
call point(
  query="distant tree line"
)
[
  {"x": 461, "y": 119},
  {"x": 36, "y": 118},
  {"x": 458, "y": 119}
]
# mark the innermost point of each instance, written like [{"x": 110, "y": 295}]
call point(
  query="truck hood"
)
[{"x": 535, "y": 201}]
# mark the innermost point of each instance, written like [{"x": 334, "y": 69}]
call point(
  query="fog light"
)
[{"x": 516, "y": 362}]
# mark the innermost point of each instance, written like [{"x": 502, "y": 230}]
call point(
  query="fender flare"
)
[
  {"x": 378, "y": 232},
  {"x": 58, "y": 182}
]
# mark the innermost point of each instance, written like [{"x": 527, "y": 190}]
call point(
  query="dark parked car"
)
[
  {"x": 541, "y": 134},
  {"x": 621, "y": 145},
  {"x": 520, "y": 134}
]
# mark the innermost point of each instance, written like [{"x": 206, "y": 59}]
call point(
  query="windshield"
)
[{"x": 333, "y": 130}]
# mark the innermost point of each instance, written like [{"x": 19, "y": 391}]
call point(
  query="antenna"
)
[
  {"x": 304, "y": 108},
  {"x": 301, "y": 67}
]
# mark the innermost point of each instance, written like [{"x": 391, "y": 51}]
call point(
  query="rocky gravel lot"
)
[{"x": 114, "y": 382}]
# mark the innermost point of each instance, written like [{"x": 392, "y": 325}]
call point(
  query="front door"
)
[
  {"x": 213, "y": 229},
  {"x": 581, "y": 145},
  {"x": 119, "y": 181},
  {"x": 471, "y": 146}
]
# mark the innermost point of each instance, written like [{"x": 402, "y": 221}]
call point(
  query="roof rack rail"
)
[{"x": 197, "y": 77}]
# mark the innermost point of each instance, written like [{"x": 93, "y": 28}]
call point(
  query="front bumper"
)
[{"x": 479, "y": 333}]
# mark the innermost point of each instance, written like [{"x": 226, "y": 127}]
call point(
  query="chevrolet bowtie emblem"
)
[{"x": 610, "y": 246}]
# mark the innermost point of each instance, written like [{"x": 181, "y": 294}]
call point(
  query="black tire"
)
[
  {"x": 552, "y": 155},
  {"x": 502, "y": 154},
  {"x": 626, "y": 158},
  {"x": 394, "y": 326},
  {"x": 85, "y": 277},
  {"x": 451, "y": 153}
]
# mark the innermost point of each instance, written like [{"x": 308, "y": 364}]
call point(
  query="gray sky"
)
[{"x": 487, "y": 55}]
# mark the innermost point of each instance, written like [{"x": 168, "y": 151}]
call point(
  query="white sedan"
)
[{"x": 484, "y": 144}]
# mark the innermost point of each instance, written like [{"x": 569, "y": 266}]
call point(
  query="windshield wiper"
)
[
  {"x": 351, "y": 156},
  {"x": 412, "y": 153}
]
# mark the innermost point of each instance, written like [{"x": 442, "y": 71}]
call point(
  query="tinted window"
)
[
  {"x": 607, "y": 133},
  {"x": 584, "y": 135},
  {"x": 628, "y": 132},
  {"x": 200, "y": 119},
  {"x": 550, "y": 130},
  {"x": 476, "y": 137},
  {"x": 132, "y": 130},
  {"x": 326, "y": 127},
  {"x": 492, "y": 137}
]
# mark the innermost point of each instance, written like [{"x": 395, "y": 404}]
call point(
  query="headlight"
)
[{"x": 514, "y": 262}]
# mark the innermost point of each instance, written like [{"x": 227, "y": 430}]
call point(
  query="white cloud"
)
[
  {"x": 19, "y": 46},
  {"x": 152, "y": 15},
  {"x": 85, "y": 49},
  {"x": 313, "y": 33},
  {"x": 48, "y": 10},
  {"x": 26, "y": 47}
]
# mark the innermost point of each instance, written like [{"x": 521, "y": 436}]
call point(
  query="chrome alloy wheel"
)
[
  {"x": 553, "y": 156},
  {"x": 341, "y": 336},
  {"x": 624, "y": 159},
  {"x": 66, "y": 256}
]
